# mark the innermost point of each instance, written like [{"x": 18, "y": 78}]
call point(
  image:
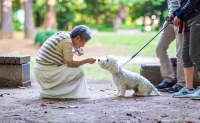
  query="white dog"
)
[{"x": 126, "y": 80}]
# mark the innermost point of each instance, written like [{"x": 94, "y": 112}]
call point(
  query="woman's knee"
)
[{"x": 80, "y": 71}]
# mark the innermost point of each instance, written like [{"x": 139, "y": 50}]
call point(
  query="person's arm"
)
[
  {"x": 81, "y": 62},
  {"x": 188, "y": 7},
  {"x": 66, "y": 49}
]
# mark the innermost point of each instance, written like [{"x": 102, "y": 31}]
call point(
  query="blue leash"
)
[{"x": 145, "y": 45}]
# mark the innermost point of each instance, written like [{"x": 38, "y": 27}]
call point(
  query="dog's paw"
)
[{"x": 116, "y": 94}]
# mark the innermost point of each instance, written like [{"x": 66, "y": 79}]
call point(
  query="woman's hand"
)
[
  {"x": 169, "y": 19},
  {"x": 176, "y": 21},
  {"x": 91, "y": 60},
  {"x": 79, "y": 52}
]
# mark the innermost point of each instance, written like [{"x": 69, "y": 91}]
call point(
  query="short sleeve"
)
[{"x": 66, "y": 49}]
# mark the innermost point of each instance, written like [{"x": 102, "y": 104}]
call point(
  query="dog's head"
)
[{"x": 109, "y": 63}]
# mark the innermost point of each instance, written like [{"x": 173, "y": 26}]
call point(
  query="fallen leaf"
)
[
  {"x": 15, "y": 115},
  {"x": 69, "y": 113},
  {"x": 50, "y": 103},
  {"x": 129, "y": 114},
  {"x": 21, "y": 87},
  {"x": 164, "y": 115},
  {"x": 73, "y": 106},
  {"x": 43, "y": 104},
  {"x": 45, "y": 112},
  {"x": 62, "y": 107},
  {"x": 115, "y": 100},
  {"x": 1, "y": 95}
]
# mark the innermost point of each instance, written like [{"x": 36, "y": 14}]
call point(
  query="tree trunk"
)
[
  {"x": 28, "y": 22},
  {"x": 119, "y": 16},
  {"x": 50, "y": 15},
  {"x": 96, "y": 10},
  {"x": 6, "y": 19}
]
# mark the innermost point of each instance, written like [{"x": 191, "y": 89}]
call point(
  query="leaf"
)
[
  {"x": 70, "y": 113},
  {"x": 73, "y": 106},
  {"x": 129, "y": 114},
  {"x": 43, "y": 105}
]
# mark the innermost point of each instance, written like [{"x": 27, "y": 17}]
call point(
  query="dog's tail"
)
[{"x": 156, "y": 91}]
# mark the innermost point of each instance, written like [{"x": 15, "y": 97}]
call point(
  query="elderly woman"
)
[{"x": 58, "y": 75}]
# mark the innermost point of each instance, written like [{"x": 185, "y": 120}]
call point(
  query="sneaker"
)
[
  {"x": 184, "y": 92},
  {"x": 174, "y": 88},
  {"x": 196, "y": 95},
  {"x": 164, "y": 84}
]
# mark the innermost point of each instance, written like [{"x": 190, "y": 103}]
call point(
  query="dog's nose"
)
[{"x": 98, "y": 60}]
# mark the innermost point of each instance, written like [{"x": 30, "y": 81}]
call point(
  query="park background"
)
[{"x": 119, "y": 27}]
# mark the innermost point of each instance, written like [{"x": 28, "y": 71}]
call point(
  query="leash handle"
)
[{"x": 145, "y": 45}]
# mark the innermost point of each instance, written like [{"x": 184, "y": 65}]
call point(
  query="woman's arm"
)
[{"x": 81, "y": 62}]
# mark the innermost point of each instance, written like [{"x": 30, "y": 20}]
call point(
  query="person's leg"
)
[
  {"x": 167, "y": 72},
  {"x": 189, "y": 77},
  {"x": 195, "y": 50},
  {"x": 187, "y": 63},
  {"x": 179, "y": 71}
]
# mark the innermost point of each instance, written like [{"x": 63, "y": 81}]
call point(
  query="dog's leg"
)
[
  {"x": 118, "y": 91},
  {"x": 122, "y": 90}
]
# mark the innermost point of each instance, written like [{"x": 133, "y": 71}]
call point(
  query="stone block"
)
[
  {"x": 153, "y": 74},
  {"x": 14, "y": 75},
  {"x": 14, "y": 59}
]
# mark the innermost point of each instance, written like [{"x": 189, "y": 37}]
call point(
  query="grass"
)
[{"x": 132, "y": 43}]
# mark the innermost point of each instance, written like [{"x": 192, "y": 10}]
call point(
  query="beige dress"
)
[{"x": 61, "y": 81}]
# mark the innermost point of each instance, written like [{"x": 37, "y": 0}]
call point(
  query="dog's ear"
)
[{"x": 114, "y": 67}]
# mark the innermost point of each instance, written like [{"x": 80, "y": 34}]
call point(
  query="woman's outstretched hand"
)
[{"x": 91, "y": 60}]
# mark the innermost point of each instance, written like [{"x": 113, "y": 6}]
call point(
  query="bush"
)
[
  {"x": 42, "y": 35},
  {"x": 17, "y": 26}
]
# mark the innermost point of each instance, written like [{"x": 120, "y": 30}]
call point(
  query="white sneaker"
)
[
  {"x": 196, "y": 95},
  {"x": 184, "y": 92}
]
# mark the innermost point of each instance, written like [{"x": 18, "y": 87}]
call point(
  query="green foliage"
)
[
  {"x": 97, "y": 13},
  {"x": 42, "y": 35},
  {"x": 102, "y": 27},
  {"x": 17, "y": 26},
  {"x": 39, "y": 9}
]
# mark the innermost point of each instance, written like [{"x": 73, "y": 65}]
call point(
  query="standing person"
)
[
  {"x": 57, "y": 73},
  {"x": 189, "y": 12},
  {"x": 167, "y": 36}
]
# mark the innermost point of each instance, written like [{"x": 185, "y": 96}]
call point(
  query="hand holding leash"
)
[{"x": 169, "y": 19}]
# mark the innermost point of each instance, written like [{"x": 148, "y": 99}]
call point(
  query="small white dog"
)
[{"x": 126, "y": 80}]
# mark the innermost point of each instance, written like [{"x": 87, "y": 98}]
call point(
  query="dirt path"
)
[{"x": 25, "y": 106}]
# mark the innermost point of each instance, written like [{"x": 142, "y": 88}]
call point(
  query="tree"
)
[
  {"x": 6, "y": 17},
  {"x": 119, "y": 16},
  {"x": 50, "y": 15},
  {"x": 28, "y": 22}
]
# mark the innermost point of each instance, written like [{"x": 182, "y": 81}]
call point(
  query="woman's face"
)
[{"x": 78, "y": 43}]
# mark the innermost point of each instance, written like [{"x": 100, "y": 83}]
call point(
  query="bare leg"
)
[
  {"x": 189, "y": 77},
  {"x": 199, "y": 74}
]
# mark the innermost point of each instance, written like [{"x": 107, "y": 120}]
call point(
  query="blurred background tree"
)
[{"x": 102, "y": 15}]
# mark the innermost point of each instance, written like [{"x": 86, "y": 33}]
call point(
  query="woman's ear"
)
[{"x": 78, "y": 38}]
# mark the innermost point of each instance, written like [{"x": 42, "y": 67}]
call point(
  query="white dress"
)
[{"x": 62, "y": 82}]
